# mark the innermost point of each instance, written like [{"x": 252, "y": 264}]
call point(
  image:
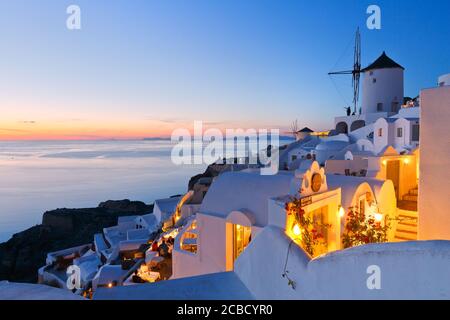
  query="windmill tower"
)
[{"x": 382, "y": 86}]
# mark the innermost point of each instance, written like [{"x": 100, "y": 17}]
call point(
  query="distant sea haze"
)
[{"x": 36, "y": 176}]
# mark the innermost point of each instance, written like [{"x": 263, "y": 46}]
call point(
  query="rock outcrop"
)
[{"x": 25, "y": 252}]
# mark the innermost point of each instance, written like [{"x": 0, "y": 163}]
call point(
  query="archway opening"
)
[{"x": 341, "y": 127}]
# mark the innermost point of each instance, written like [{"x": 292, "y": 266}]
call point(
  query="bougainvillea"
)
[
  {"x": 310, "y": 236},
  {"x": 360, "y": 229}
]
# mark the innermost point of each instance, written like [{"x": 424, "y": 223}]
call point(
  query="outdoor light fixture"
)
[
  {"x": 296, "y": 230},
  {"x": 406, "y": 161},
  {"x": 341, "y": 211},
  {"x": 384, "y": 162},
  {"x": 378, "y": 217}
]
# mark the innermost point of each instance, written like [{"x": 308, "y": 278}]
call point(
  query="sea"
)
[{"x": 37, "y": 176}]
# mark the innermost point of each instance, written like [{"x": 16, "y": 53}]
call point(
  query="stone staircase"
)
[
  {"x": 409, "y": 200},
  {"x": 406, "y": 227},
  {"x": 411, "y": 195}
]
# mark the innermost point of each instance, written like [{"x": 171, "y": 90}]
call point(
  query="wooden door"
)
[{"x": 393, "y": 174}]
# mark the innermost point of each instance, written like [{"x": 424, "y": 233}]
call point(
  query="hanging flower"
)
[
  {"x": 310, "y": 239},
  {"x": 361, "y": 230}
]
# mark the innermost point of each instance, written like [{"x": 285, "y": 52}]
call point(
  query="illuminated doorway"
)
[
  {"x": 393, "y": 174},
  {"x": 320, "y": 221},
  {"x": 241, "y": 238}
]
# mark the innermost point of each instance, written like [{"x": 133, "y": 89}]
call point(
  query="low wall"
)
[
  {"x": 408, "y": 270},
  {"x": 339, "y": 166}
]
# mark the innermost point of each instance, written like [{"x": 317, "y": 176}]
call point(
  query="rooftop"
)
[
  {"x": 383, "y": 62},
  {"x": 216, "y": 286},
  {"x": 244, "y": 190}
]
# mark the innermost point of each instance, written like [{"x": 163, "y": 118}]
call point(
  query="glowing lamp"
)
[
  {"x": 341, "y": 212},
  {"x": 238, "y": 227},
  {"x": 406, "y": 161},
  {"x": 384, "y": 162},
  {"x": 296, "y": 230},
  {"x": 378, "y": 217},
  {"x": 110, "y": 285}
]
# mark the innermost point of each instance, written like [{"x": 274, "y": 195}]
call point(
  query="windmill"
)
[{"x": 356, "y": 72}]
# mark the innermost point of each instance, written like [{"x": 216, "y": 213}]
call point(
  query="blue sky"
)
[{"x": 145, "y": 67}]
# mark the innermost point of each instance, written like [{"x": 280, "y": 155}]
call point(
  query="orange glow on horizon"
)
[{"x": 107, "y": 128}]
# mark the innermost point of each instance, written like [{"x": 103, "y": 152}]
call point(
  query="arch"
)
[
  {"x": 241, "y": 217},
  {"x": 341, "y": 127},
  {"x": 357, "y": 124}
]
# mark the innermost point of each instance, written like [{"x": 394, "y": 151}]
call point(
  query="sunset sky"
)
[{"x": 143, "y": 68}]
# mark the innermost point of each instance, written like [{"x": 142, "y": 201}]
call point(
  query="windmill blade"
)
[{"x": 356, "y": 72}]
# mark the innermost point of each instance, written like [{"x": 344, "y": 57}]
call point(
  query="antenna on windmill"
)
[{"x": 356, "y": 72}]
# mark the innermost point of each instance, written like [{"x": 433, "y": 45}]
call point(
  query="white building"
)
[
  {"x": 382, "y": 87},
  {"x": 240, "y": 205},
  {"x": 382, "y": 94},
  {"x": 235, "y": 198},
  {"x": 164, "y": 208},
  {"x": 444, "y": 80},
  {"x": 434, "y": 200},
  {"x": 401, "y": 133}
]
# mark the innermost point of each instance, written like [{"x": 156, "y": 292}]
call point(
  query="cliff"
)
[{"x": 25, "y": 252}]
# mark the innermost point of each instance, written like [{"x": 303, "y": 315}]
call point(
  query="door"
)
[
  {"x": 241, "y": 239},
  {"x": 393, "y": 174},
  {"x": 320, "y": 221}
]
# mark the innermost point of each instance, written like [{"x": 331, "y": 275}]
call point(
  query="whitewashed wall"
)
[
  {"x": 387, "y": 88},
  {"x": 434, "y": 189},
  {"x": 409, "y": 270}
]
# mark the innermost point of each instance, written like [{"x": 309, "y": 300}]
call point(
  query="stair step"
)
[
  {"x": 414, "y": 192},
  {"x": 407, "y": 227},
  {"x": 409, "y": 230},
  {"x": 399, "y": 238},
  {"x": 407, "y": 219},
  {"x": 406, "y": 235},
  {"x": 410, "y": 197},
  {"x": 407, "y": 205}
]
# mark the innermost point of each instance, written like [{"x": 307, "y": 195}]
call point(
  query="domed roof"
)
[
  {"x": 333, "y": 145},
  {"x": 383, "y": 62},
  {"x": 235, "y": 191}
]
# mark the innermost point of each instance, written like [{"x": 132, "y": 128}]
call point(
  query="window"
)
[
  {"x": 294, "y": 157},
  {"x": 371, "y": 73},
  {"x": 394, "y": 107},
  {"x": 379, "y": 106},
  {"x": 399, "y": 132},
  {"x": 415, "y": 132},
  {"x": 374, "y": 80},
  {"x": 241, "y": 238},
  {"x": 380, "y": 132}
]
